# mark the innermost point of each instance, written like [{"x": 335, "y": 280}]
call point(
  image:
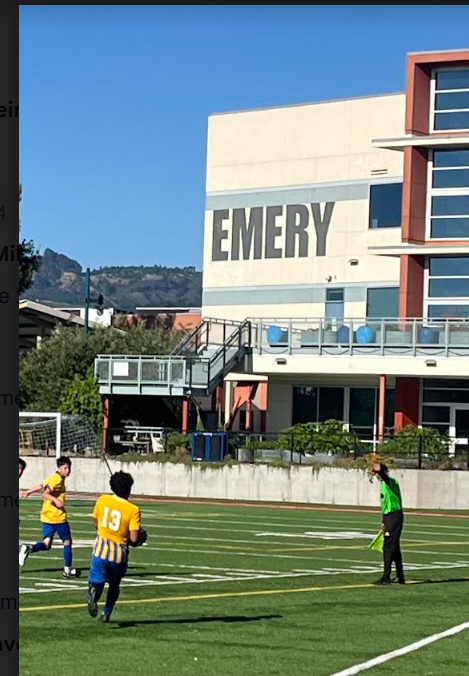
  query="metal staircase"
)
[{"x": 196, "y": 367}]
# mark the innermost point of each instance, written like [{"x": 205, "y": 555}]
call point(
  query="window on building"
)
[
  {"x": 362, "y": 411},
  {"x": 331, "y": 403},
  {"x": 449, "y": 190},
  {"x": 450, "y": 217},
  {"x": 440, "y": 397},
  {"x": 448, "y": 279},
  {"x": 382, "y": 303},
  {"x": 385, "y": 205},
  {"x": 305, "y": 405},
  {"x": 451, "y": 99},
  {"x": 334, "y": 304}
]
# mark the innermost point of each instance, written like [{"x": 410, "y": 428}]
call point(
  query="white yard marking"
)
[
  {"x": 330, "y": 523},
  {"x": 318, "y": 535},
  {"x": 351, "y": 671},
  {"x": 231, "y": 575}
]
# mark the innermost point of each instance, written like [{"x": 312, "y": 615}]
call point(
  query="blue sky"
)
[{"x": 114, "y": 104}]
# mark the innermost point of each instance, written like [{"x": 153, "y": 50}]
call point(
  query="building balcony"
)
[{"x": 447, "y": 338}]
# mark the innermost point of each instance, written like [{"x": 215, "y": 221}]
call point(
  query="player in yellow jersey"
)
[
  {"x": 118, "y": 525},
  {"x": 53, "y": 516}
]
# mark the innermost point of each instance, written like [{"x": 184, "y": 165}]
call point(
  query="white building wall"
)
[{"x": 307, "y": 155}]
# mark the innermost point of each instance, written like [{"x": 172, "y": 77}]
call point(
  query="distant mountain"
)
[{"x": 61, "y": 281}]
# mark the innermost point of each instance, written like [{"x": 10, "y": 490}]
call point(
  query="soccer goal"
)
[{"x": 55, "y": 434}]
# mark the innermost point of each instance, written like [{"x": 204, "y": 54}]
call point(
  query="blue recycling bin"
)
[
  {"x": 428, "y": 336},
  {"x": 343, "y": 334},
  {"x": 277, "y": 336},
  {"x": 209, "y": 446},
  {"x": 366, "y": 335}
]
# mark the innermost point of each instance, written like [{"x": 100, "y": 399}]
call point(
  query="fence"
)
[{"x": 424, "y": 449}]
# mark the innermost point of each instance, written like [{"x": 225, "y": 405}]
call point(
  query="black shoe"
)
[
  {"x": 382, "y": 581},
  {"x": 398, "y": 580},
  {"x": 91, "y": 600},
  {"x": 105, "y": 618},
  {"x": 70, "y": 574}
]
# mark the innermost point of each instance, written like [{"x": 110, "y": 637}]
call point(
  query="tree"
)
[
  {"x": 29, "y": 259},
  {"x": 48, "y": 376},
  {"x": 82, "y": 398}
]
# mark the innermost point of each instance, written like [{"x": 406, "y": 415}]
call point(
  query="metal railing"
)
[
  {"x": 208, "y": 333},
  {"x": 291, "y": 447},
  {"x": 175, "y": 374},
  {"x": 393, "y": 336}
]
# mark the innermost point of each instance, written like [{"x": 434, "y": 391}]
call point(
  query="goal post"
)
[
  {"x": 50, "y": 433},
  {"x": 36, "y": 437}
]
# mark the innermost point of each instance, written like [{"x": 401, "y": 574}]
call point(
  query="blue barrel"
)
[
  {"x": 428, "y": 336},
  {"x": 343, "y": 334},
  {"x": 276, "y": 335},
  {"x": 366, "y": 335}
]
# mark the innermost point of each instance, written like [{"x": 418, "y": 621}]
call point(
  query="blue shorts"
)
[
  {"x": 60, "y": 529},
  {"x": 102, "y": 571}
]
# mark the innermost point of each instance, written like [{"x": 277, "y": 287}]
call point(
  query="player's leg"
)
[
  {"x": 96, "y": 580},
  {"x": 397, "y": 554},
  {"x": 393, "y": 528},
  {"x": 48, "y": 532},
  {"x": 116, "y": 572},
  {"x": 65, "y": 535}
]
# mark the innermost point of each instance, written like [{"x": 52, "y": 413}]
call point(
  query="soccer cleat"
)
[
  {"x": 105, "y": 618},
  {"x": 25, "y": 551},
  {"x": 396, "y": 580},
  {"x": 91, "y": 600},
  {"x": 71, "y": 573}
]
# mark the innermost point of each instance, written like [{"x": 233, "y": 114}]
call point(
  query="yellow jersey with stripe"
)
[
  {"x": 50, "y": 513},
  {"x": 115, "y": 518}
]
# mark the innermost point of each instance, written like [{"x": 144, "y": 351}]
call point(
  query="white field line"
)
[
  {"x": 412, "y": 647},
  {"x": 164, "y": 580},
  {"x": 371, "y": 530},
  {"x": 309, "y": 523},
  {"x": 326, "y": 518},
  {"x": 220, "y": 541}
]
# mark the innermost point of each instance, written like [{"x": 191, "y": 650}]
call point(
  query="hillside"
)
[{"x": 61, "y": 280}]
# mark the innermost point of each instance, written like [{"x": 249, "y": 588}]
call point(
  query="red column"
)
[
  {"x": 106, "y": 408},
  {"x": 411, "y": 287},
  {"x": 249, "y": 415},
  {"x": 185, "y": 416},
  {"x": 407, "y": 403},
  {"x": 381, "y": 408}
]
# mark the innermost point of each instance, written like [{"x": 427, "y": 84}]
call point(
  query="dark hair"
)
[
  {"x": 63, "y": 461},
  {"x": 121, "y": 484},
  {"x": 22, "y": 463}
]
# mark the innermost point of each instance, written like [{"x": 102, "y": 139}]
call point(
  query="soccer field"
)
[{"x": 250, "y": 591}]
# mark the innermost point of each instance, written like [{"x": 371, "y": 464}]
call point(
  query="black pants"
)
[{"x": 393, "y": 523}]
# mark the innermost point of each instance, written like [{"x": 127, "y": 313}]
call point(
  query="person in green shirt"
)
[{"x": 393, "y": 522}]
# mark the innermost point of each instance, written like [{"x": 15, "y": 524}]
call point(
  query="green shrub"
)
[
  {"x": 176, "y": 440},
  {"x": 327, "y": 437},
  {"x": 410, "y": 440}
]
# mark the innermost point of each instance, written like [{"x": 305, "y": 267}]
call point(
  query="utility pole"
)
[{"x": 87, "y": 302}]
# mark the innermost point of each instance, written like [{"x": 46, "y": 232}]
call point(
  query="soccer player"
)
[
  {"x": 22, "y": 467},
  {"x": 53, "y": 517},
  {"x": 393, "y": 522},
  {"x": 118, "y": 525}
]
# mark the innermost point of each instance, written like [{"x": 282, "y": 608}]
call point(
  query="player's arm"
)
[
  {"x": 25, "y": 493},
  {"x": 137, "y": 537},
  {"x": 47, "y": 495},
  {"x": 137, "y": 534}
]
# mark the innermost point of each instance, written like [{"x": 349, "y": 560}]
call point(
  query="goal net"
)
[{"x": 56, "y": 434}]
